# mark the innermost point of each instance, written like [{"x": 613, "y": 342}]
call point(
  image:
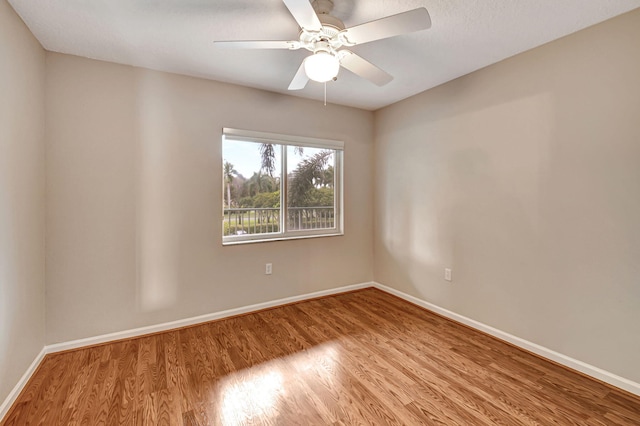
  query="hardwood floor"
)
[{"x": 364, "y": 357}]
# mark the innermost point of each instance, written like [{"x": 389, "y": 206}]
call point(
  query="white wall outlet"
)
[
  {"x": 268, "y": 269},
  {"x": 447, "y": 274}
]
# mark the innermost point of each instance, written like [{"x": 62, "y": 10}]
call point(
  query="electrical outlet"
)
[
  {"x": 447, "y": 274},
  {"x": 268, "y": 269}
]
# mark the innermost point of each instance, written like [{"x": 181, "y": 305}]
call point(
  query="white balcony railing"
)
[{"x": 240, "y": 221}]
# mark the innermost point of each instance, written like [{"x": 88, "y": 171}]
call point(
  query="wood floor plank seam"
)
[
  {"x": 513, "y": 345},
  {"x": 362, "y": 357}
]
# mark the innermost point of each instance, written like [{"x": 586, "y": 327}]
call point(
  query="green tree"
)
[
  {"x": 320, "y": 197},
  {"x": 268, "y": 157},
  {"x": 309, "y": 175},
  {"x": 229, "y": 173},
  {"x": 260, "y": 182},
  {"x": 262, "y": 200},
  {"x": 328, "y": 177}
]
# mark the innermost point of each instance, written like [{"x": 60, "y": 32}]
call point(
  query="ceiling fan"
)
[{"x": 326, "y": 36}]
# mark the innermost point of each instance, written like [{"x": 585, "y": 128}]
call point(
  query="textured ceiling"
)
[{"x": 177, "y": 35}]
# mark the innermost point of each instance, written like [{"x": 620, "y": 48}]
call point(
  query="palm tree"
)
[
  {"x": 268, "y": 155},
  {"x": 229, "y": 173},
  {"x": 310, "y": 173}
]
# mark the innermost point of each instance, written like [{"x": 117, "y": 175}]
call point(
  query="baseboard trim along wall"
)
[
  {"x": 15, "y": 392},
  {"x": 574, "y": 364},
  {"x": 90, "y": 341},
  {"x": 590, "y": 370}
]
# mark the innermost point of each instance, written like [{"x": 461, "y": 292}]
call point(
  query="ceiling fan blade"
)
[
  {"x": 364, "y": 68},
  {"x": 300, "y": 80},
  {"x": 258, "y": 44},
  {"x": 402, "y": 23},
  {"x": 304, "y": 14}
]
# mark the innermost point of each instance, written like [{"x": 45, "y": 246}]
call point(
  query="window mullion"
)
[
  {"x": 283, "y": 189},
  {"x": 338, "y": 188}
]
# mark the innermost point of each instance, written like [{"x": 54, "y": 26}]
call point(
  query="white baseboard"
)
[
  {"x": 13, "y": 395},
  {"x": 583, "y": 367},
  {"x": 74, "y": 344}
]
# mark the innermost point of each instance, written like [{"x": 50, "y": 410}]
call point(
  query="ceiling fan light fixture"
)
[{"x": 322, "y": 66}]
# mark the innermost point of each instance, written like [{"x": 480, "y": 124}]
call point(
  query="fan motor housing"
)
[
  {"x": 325, "y": 39},
  {"x": 331, "y": 22}
]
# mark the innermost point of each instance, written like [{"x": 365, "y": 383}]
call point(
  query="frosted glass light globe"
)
[{"x": 321, "y": 66}]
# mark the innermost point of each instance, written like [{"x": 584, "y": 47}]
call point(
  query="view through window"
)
[{"x": 278, "y": 186}]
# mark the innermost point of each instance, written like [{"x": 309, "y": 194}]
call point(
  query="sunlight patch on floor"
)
[{"x": 258, "y": 392}]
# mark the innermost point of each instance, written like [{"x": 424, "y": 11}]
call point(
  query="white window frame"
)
[{"x": 284, "y": 141}]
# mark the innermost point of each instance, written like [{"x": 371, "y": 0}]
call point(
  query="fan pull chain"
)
[{"x": 325, "y": 93}]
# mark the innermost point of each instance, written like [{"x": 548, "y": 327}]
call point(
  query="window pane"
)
[
  {"x": 278, "y": 187},
  {"x": 251, "y": 195},
  {"x": 310, "y": 188}
]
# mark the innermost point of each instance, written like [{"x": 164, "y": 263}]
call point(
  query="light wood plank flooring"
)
[{"x": 364, "y": 357}]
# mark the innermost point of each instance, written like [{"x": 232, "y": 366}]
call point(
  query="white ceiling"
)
[{"x": 177, "y": 35}]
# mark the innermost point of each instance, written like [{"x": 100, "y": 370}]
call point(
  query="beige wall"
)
[
  {"x": 22, "y": 74},
  {"x": 524, "y": 178},
  {"x": 134, "y": 199}
]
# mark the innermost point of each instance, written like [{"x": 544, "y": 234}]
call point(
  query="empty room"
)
[{"x": 297, "y": 212}]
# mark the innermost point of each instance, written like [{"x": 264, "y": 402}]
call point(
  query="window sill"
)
[{"x": 280, "y": 238}]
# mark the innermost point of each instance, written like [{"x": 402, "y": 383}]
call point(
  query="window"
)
[{"x": 279, "y": 187}]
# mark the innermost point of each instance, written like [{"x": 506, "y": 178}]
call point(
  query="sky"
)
[{"x": 245, "y": 157}]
